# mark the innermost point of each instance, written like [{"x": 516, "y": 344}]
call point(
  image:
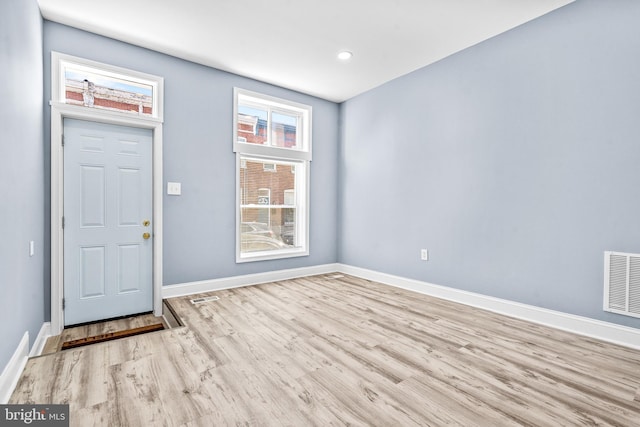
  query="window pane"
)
[
  {"x": 252, "y": 125},
  {"x": 93, "y": 89},
  {"x": 284, "y": 130},
  {"x": 268, "y": 205}
]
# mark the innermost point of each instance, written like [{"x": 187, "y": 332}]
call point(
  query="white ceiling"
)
[{"x": 294, "y": 43}]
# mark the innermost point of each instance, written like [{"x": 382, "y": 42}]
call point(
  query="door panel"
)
[
  {"x": 107, "y": 198},
  {"x": 92, "y": 197},
  {"x": 129, "y": 188},
  {"x": 92, "y": 271},
  {"x": 129, "y": 268}
]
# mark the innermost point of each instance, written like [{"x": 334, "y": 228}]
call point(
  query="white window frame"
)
[
  {"x": 301, "y": 155},
  {"x": 303, "y": 141}
]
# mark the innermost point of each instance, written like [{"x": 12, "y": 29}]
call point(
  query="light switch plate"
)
[{"x": 174, "y": 188}]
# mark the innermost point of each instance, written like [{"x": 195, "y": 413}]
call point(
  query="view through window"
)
[
  {"x": 268, "y": 205},
  {"x": 99, "y": 91},
  {"x": 90, "y": 84}
]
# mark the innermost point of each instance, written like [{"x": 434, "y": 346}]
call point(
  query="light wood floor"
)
[{"x": 340, "y": 351}]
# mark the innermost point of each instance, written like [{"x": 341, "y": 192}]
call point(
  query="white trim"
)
[
  {"x": 41, "y": 340},
  {"x": 13, "y": 370},
  {"x": 272, "y": 152},
  {"x": 59, "y": 112},
  {"x": 605, "y": 331},
  {"x": 191, "y": 288}
]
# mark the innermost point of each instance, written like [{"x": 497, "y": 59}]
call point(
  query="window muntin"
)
[{"x": 272, "y": 141}]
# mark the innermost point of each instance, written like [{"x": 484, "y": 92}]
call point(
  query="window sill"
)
[{"x": 271, "y": 255}]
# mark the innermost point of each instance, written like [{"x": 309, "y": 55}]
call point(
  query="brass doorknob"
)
[{"x": 145, "y": 236}]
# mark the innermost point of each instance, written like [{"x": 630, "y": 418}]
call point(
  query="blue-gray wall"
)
[
  {"x": 21, "y": 174},
  {"x": 515, "y": 162},
  {"x": 199, "y": 226}
]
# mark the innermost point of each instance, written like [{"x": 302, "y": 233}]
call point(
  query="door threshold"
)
[
  {"x": 109, "y": 336},
  {"x": 105, "y": 330}
]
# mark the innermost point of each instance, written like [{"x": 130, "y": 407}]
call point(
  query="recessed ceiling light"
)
[{"x": 344, "y": 55}]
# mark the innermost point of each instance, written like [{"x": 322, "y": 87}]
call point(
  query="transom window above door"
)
[{"x": 90, "y": 84}]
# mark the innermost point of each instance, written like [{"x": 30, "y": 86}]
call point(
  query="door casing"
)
[{"x": 59, "y": 112}]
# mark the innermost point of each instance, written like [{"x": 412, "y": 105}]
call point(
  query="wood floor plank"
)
[
  {"x": 363, "y": 399},
  {"x": 93, "y": 416},
  {"x": 323, "y": 407},
  {"x": 494, "y": 389},
  {"x": 334, "y": 350}
]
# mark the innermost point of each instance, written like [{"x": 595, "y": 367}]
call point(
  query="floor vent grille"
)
[
  {"x": 622, "y": 283},
  {"x": 336, "y": 276},
  {"x": 204, "y": 299}
]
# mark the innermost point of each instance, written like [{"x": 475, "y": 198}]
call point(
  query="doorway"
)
[
  {"x": 108, "y": 230},
  {"x": 59, "y": 114},
  {"x": 113, "y": 81}
]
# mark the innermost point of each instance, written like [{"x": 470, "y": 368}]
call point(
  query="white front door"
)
[{"x": 108, "y": 208}]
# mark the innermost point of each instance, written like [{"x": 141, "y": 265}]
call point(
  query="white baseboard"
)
[
  {"x": 41, "y": 340},
  {"x": 191, "y": 288},
  {"x": 13, "y": 370},
  {"x": 605, "y": 331}
]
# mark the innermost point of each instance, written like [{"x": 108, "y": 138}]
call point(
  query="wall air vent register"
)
[{"x": 622, "y": 283}]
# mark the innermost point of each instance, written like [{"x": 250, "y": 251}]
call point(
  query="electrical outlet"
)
[{"x": 424, "y": 254}]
